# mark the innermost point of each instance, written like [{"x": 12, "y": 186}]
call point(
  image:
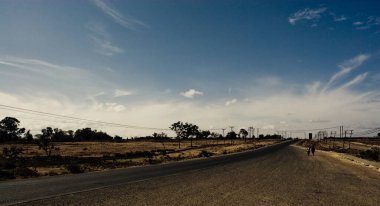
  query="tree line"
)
[{"x": 10, "y": 131}]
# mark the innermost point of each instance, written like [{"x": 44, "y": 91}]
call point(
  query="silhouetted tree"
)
[
  {"x": 44, "y": 141},
  {"x": 160, "y": 137},
  {"x": 184, "y": 131},
  {"x": 28, "y": 136},
  {"x": 243, "y": 134},
  {"x": 9, "y": 129},
  {"x": 61, "y": 136},
  {"x": 231, "y": 135},
  {"x": 203, "y": 134},
  {"x": 118, "y": 138},
  {"x": 87, "y": 134}
]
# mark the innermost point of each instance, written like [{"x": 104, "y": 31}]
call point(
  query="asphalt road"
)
[{"x": 281, "y": 175}]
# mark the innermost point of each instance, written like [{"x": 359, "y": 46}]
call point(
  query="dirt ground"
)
[
  {"x": 363, "y": 148},
  {"x": 285, "y": 177}
]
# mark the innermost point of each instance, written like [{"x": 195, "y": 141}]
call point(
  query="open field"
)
[{"x": 78, "y": 157}]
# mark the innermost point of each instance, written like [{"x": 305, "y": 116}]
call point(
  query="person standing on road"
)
[
  {"x": 308, "y": 151},
  {"x": 313, "y": 149}
]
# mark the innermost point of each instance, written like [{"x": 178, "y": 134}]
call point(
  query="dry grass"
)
[
  {"x": 107, "y": 152},
  {"x": 97, "y": 149}
]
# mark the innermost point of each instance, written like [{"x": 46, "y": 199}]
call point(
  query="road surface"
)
[{"x": 284, "y": 175}]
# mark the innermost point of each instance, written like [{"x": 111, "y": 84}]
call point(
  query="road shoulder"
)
[{"x": 349, "y": 159}]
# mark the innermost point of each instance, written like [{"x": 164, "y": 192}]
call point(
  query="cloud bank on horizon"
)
[{"x": 109, "y": 65}]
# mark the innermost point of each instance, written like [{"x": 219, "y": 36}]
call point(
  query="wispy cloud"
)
[
  {"x": 340, "y": 18},
  {"x": 191, "y": 93},
  {"x": 39, "y": 66},
  {"x": 105, "y": 47},
  {"x": 355, "y": 81},
  {"x": 125, "y": 21},
  {"x": 230, "y": 102},
  {"x": 357, "y": 23},
  {"x": 369, "y": 23},
  {"x": 122, "y": 93},
  {"x": 306, "y": 14},
  {"x": 101, "y": 39},
  {"x": 46, "y": 77},
  {"x": 347, "y": 67}
]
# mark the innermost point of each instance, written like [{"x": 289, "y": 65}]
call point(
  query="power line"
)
[{"x": 19, "y": 109}]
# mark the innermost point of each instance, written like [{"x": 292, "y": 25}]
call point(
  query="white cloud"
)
[
  {"x": 101, "y": 39},
  {"x": 230, "y": 102},
  {"x": 34, "y": 76},
  {"x": 38, "y": 66},
  {"x": 334, "y": 107},
  {"x": 340, "y": 18},
  {"x": 355, "y": 81},
  {"x": 191, "y": 93},
  {"x": 127, "y": 22},
  {"x": 347, "y": 67},
  {"x": 114, "y": 107},
  {"x": 371, "y": 22},
  {"x": 122, "y": 93},
  {"x": 306, "y": 14},
  {"x": 105, "y": 47},
  {"x": 313, "y": 88}
]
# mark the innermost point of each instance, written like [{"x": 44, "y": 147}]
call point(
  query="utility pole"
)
[
  {"x": 257, "y": 132},
  {"x": 224, "y": 137},
  {"x": 345, "y": 135},
  {"x": 341, "y": 132},
  {"x": 250, "y": 131}
]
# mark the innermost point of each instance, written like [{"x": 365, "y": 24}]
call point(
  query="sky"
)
[{"x": 272, "y": 65}]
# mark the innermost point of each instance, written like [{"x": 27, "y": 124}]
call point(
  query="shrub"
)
[
  {"x": 7, "y": 164},
  {"x": 6, "y": 175},
  {"x": 74, "y": 168},
  {"x": 372, "y": 154},
  {"x": 204, "y": 153},
  {"x": 25, "y": 172},
  {"x": 137, "y": 154},
  {"x": 119, "y": 156},
  {"x": 12, "y": 152}
]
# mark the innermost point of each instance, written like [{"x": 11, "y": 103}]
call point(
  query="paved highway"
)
[{"x": 282, "y": 175}]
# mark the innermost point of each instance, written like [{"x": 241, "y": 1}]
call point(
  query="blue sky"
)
[{"x": 273, "y": 65}]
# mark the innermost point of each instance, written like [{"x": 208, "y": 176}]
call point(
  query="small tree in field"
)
[
  {"x": 231, "y": 135},
  {"x": 243, "y": 133},
  {"x": 184, "y": 131},
  {"x": 160, "y": 137},
  {"x": 44, "y": 141}
]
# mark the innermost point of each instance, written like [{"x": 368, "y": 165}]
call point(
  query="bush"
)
[
  {"x": 137, "y": 154},
  {"x": 204, "y": 153},
  {"x": 6, "y": 175},
  {"x": 372, "y": 154},
  {"x": 25, "y": 172},
  {"x": 119, "y": 156},
  {"x": 6, "y": 164},
  {"x": 12, "y": 152},
  {"x": 74, "y": 168}
]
